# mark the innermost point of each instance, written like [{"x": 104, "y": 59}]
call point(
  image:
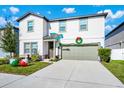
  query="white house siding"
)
[
  {"x": 45, "y": 48},
  {"x": 46, "y": 32},
  {"x": 45, "y": 27},
  {"x": 39, "y": 42},
  {"x": 94, "y": 34},
  {"x": 35, "y": 36}
]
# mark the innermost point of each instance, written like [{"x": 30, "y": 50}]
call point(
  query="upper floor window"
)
[
  {"x": 83, "y": 24},
  {"x": 62, "y": 26},
  {"x": 30, "y": 26}
]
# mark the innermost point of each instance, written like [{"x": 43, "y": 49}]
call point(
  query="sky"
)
[{"x": 13, "y": 12}]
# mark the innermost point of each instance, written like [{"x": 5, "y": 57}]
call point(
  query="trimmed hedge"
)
[
  {"x": 4, "y": 61},
  {"x": 104, "y": 54}
]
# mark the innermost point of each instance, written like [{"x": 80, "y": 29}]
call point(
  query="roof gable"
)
[{"x": 29, "y": 13}]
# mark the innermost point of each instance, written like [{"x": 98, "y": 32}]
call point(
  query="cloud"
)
[
  {"x": 14, "y": 18},
  {"x": 2, "y": 21},
  {"x": 118, "y": 14},
  {"x": 49, "y": 12},
  {"x": 69, "y": 10},
  {"x": 109, "y": 27},
  {"x": 111, "y": 15},
  {"x": 14, "y": 10},
  {"x": 99, "y": 12},
  {"x": 38, "y": 13}
]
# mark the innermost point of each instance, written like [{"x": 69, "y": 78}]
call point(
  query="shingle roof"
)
[
  {"x": 52, "y": 36},
  {"x": 30, "y": 13},
  {"x": 60, "y": 19},
  {"x": 115, "y": 29},
  {"x": 78, "y": 17}
]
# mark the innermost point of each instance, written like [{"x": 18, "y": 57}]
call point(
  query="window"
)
[
  {"x": 34, "y": 48},
  {"x": 62, "y": 26},
  {"x": 30, "y": 48},
  {"x": 30, "y": 26},
  {"x": 27, "y": 48},
  {"x": 83, "y": 25}
]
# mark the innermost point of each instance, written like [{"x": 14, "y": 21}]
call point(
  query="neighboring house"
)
[
  {"x": 39, "y": 35},
  {"x": 2, "y": 52},
  {"x": 115, "y": 41}
]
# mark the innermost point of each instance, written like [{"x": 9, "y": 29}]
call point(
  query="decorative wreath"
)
[{"x": 79, "y": 40}]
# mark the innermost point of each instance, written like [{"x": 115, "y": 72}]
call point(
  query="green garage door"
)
[{"x": 80, "y": 52}]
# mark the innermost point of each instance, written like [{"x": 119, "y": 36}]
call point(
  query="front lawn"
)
[
  {"x": 33, "y": 67},
  {"x": 117, "y": 68}
]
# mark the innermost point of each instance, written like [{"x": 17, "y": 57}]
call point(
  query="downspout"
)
[
  {"x": 54, "y": 45},
  {"x": 121, "y": 48}
]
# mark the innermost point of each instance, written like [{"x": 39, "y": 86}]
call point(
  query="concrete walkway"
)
[
  {"x": 70, "y": 73},
  {"x": 6, "y": 79}
]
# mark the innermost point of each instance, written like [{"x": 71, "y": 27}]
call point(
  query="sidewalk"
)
[{"x": 6, "y": 79}]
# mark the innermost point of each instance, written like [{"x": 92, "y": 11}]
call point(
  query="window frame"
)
[
  {"x": 86, "y": 29},
  {"x": 26, "y": 48},
  {"x": 62, "y": 26},
  {"x": 30, "y": 47},
  {"x": 34, "y": 48},
  {"x": 30, "y": 26}
]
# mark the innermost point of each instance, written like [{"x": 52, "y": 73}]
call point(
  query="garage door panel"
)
[{"x": 80, "y": 52}]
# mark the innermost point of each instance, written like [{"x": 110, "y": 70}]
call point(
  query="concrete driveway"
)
[{"x": 70, "y": 74}]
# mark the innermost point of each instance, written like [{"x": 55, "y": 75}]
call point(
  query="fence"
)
[{"x": 117, "y": 54}]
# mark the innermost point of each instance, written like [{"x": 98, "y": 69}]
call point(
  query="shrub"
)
[
  {"x": 19, "y": 58},
  {"x": 54, "y": 59},
  {"x": 104, "y": 54},
  {"x": 35, "y": 57},
  {"x": 4, "y": 61}
]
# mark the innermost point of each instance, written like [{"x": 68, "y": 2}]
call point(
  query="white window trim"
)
[
  {"x": 86, "y": 25},
  {"x": 63, "y": 26},
  {"x": 30, "y": 43},
  {"x": 32, "y": 26}
]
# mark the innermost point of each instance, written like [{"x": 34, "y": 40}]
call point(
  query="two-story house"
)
[{"x": 37, "y": 34}]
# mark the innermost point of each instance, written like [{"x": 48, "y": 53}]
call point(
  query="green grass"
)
[
  {"x": 117, "y": 68},
  {"x": 33, "y": 67}
]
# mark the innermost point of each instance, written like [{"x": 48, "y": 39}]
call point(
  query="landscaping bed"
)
[
  {"x": 31, "y": 68},
  {"x": 117, "y": 68}
]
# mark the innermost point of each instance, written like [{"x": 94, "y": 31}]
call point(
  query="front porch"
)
[{"x": 54, "y": 48}]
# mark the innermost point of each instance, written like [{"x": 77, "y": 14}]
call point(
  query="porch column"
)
[{"x": 54, "y": 49}]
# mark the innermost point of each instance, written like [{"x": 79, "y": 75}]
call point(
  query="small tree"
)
[{"x": 9, "y": 39}]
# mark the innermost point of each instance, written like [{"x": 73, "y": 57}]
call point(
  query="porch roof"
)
[{"x": 51, "y": 37}]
